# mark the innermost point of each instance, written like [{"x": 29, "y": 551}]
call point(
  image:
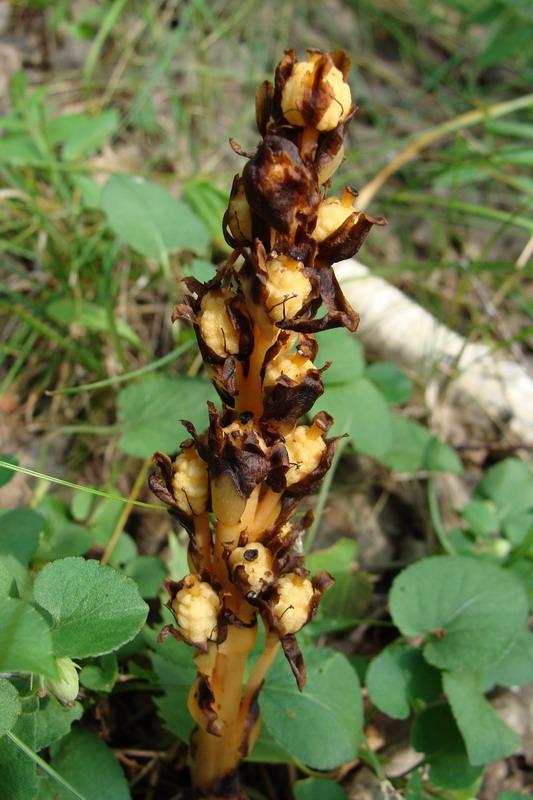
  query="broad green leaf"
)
[
  {"x": 17, "y": 771},
  {"x": 351, "y": 592},
  {"x": 514, "y": 668},
  {"x": 150, "y": 413},
  {"x": 471, "y": 611},
  {"x": 7, "y": 582},
  {"x": 150, "y": 220},
  {"x": 517, "y": 527},
  {"x": 89, "y": 766},
  {"x": 330, "y": 703},
  {"x": 267, "y": 751},
  {"x": 392, "y": 382},
  {"x": 345, "y": 354},
  {"x": 200, "y": 269},
  {"x": 19, "y": 151},
  {"x": 360, "y": 410},
  {"x": 148, "y": 572},
  {"x": 509, "y": 484},
  {"x": 415, "y": 448},
  {"x": 314, "y": 788},
  {"x": 209, "y": 202},
  {"x": 398, "y": 675},
  {"x": 26, "y": 642},
  {"x": 481, "y": 517},
  {"x": 486, "y": 736},
  {"x": 10, "y": 706},
  {"x": 5, "y": 473},
  {"x": 54, "y": 720},
  {"x": 101, "y": 675},
  {"x": 90, "y": 316},
  {"x": 79, "y": 134},
  {"x": 94, "y": 608},
  {"x": 90, "y": 191},
  {"x": 435, "y": 733}
]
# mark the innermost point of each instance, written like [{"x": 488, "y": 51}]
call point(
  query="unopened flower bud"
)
[
  {"x": 316, "y": 94},
  {"x": 196, "y": 608},
  {"x": 288, "y": 288},
  {"x": 66, "y": 687},
  {"x": 190, "y": 482},
  {"x": 305, "y": 447},
  {"x": 217, "y": 329},
  {"x": 251, "y": 566},
  {"x": 332, "y": 213},
  {"x": 294, "y": 604}
]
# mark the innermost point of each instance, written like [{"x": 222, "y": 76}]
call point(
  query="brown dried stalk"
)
[{"x": 235, "y": 489}]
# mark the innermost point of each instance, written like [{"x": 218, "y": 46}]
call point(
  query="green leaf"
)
[
  {"x": 267, "y": 751},
  {"x": 7, "y": 582},
  {"x": 148, "y": 572},
  {"x": 398, "y": 675},
  {"x": 514, "y": 668},
  {"x": 481, "y": 517},
  {"x": 95, "y": 609},
  {"x": 61, "y": 537},
  {"x": 486, "y": 736},
  {"x": 330, "y": 703},
  {"x": 346, "y": 356},
  {"x": 79, "y": 134},
  {"x": 54, "y": 720},
  {"x": 351, "y": 592},
  {"x": 471, "y": 611},
  {"x": 101, "y": 675},
  {"x": 313, "y": 788},
  {"x": 415, "y": 448},
  {"x": 150, "y": 412},
  {"x": 10, "y": 707},
  {"x": 509, "y": 484},
  {"x": 435, "y": 733},
  {"x": 26, "y": 642},
  {"x": 360, "y": 410},
  {"x": 17, "y": 771},
  {"x": 90, "y": 316},
  {"x": 176, "y": 673},
  {"x": 513, "y": 796},
  {"x": 89, "y": 766},
  {"x": 392, "y": 382},
  {"x": 19, "y": 536},
  {"x": 5, "y": 473},
  {"x": 90, "y": 191},
  {"x": 150, "y": 220},
  {"x": 208, "y": 201}
]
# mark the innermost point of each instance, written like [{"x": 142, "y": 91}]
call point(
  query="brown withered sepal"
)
[
  {"x": 280, "y": 187},
  {"x": 346, "y": 241}
]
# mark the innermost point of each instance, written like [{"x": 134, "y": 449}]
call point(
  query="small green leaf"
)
[
  {"x": 19, "y": 537},
  {"x": 101, "y": 675},
  {"x": 481, "y": 517},
  {"x": 150, "y": 413},
  {"x": 486, "y": 736},
  {"x": 79, "y": 134},
  {"x": 8, "y": 586},
  {"x": 435, "y": 733},
  {"x": 351, "y": 592},
  {"x": 471, "y": 611},
  {"x": 150, "y": 220},
  {"x": 313, "y": 788},
  {"x": 5, "y": 473},
  {"x": 392, "y": 382},
  {"x": 10, "y": 707},
  {"x": 95, "y": 609},
  {"x": 346, "y": 356},
  {"x": 415, "y": 448},
  {"x": 26, "y": 642},
  {"x": 398, "y": 675},
  {"x": 54, "y": 720},
  {"x": 148, "y": 572},
  {"x": 89, "y": 766},
  {"x": 509, "y": 484},
  {"x": 61, "y": 536},
  {"x": 361, "y": 411},
  {"x": 176, "y": 673},
  {"x": 330, "y": 703}
]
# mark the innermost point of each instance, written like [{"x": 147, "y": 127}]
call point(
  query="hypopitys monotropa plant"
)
[{"x": 236, "y": 488}]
